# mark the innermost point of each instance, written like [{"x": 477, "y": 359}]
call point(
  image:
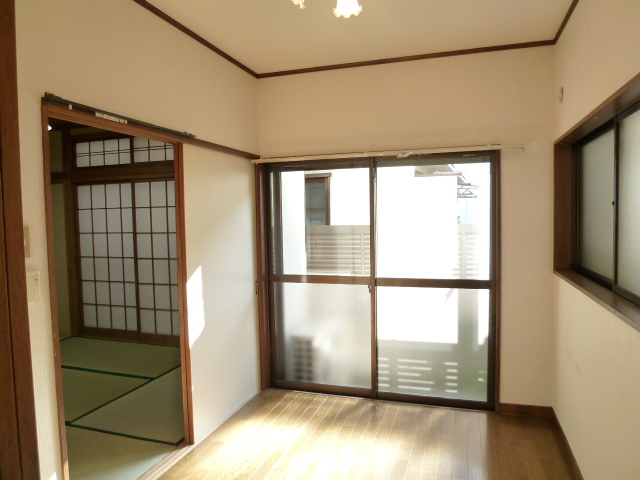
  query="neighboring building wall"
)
[
  {"x": 502, "y": 97},
  {"x": 597, "y": 385},
  {"x": 117, "y": 56}
]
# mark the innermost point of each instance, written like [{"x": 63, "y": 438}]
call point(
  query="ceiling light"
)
[{"x": 346, "y": 8}]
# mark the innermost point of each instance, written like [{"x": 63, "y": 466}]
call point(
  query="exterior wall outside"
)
[
  {"x": 597, "y": 355},
  {"x": 501, "y": 97},
  {"x": 117, "y": 56}
]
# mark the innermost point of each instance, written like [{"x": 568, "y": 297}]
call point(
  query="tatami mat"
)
[
  {"x": 86, "y": 391},
  {"x": 101, "y": 456},
  {"x": 114, "y": 356},
  {"x": 153, "y": 411}
]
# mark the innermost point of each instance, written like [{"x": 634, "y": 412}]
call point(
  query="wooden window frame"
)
[
  {"x": 321, "y": 178},
  {"x": 565, "y": 263}
]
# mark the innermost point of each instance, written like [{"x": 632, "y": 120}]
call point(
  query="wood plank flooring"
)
[{"x": 281, "y": 434}]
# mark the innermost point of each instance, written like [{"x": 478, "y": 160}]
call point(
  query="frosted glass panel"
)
[
  {"x": 433, "y": 342},
  {"x": 629, "y": 204},
  {"x": 323, "y": 334},
  {"x": 338, "y": 245},
  {"x": 595, "y": 199},
  {"x": 434, "y": 220}
]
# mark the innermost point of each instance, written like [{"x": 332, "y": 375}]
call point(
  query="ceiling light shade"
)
[
  {"x": 346, "y": 8},
  {"x": 300, "y": 3}
]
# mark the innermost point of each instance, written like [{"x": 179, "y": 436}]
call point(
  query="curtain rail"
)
[{"x": 392, "y": 153}]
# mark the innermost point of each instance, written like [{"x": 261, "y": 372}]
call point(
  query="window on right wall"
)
[{"x": 607, "y": 247}]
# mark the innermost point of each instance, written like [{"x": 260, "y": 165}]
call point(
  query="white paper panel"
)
[
  {"x": 115, "y": 244},
  {"x": 127, "y": 220},
  {"x": 147, "y": 321},
  {"x": 173, "y": 248},
  {"x": 84, "y": 196},
  {"x": 124, "y": 143},
  {"x": 142, "y": 194},
  {"x": 132, "y": 319},
  {"x": 130, "y": 294},
  {"x": 161, "y": 271},
  {"x": 173, "y": 265},
  {"x": 116, "y": 270},
  {"x": 171, "y": 214},
  {"x": 163, "y": 297},
  {"x": 86, "y": 245},
  {"x": 159, "y": 219},
  {"x": 99, "y": 220},
  {"x": 125, "y": 195},
  {"x": 97, "y": 146},
  {"x": 85, "y": 221},
  {"x": 144, "y": 245},
  {"x": 157, "y": 155},
  {"x": 146, "y": 296},
  {"x": 169, "y": 152},
  {"x": 129, "y": 270},
  {"x": 90, "y": 316},
  {"x": 86, "y": 267},
  {"x": 82, "y": 148},
  {"x": 113, "y": 195},
  {"x": 163, "y": 323},
  {"x": 97, "y": 160},
  {"x": 83, "y": 162},
  {"x": 158, "y": 194},
  {"x": 114, "y": 223},
  {"x": 145, "y": 271},
  {"x": 104, "y": 317},
  {"x": 111, "y": 159},
  {"x": 140, "y": 142},
  {"x": 100, "y": 245},
  {"x": 160, "y": 246},
  {"x": 171, "y": 193},
  {"x": 117, "y": 293},
  {"x": 97, "y": 196},
  {"x": 127, "y": 243},
  {"x": 174, "y": 298},
  {"x": 141, "y": 156},
  {"x": 111, "y": 145},
  {"x": 175, "y": 322},
  {"x": 118, "y": 318},
  {"x": 102, "y": 269},
  {"x": 88, "y": 292},
  {"x": 102, "y": 293},
  {"x": 143, "y": 219}
]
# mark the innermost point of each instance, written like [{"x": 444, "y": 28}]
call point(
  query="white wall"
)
[
  {"x": 223, "y": 330},
  {"x": 501, "y": 97},
  {"x": 117, "y": 56},
  {"x": 598, "y": 52},
  {"x": 597, "y": 355}
]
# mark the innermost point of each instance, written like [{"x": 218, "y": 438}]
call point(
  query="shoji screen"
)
[
  {"x": 128, "y": 262},
  {"x": 157, "y": 257},
  {"x": 126, "y": 222},
  {"x": 107, "y": 256}
]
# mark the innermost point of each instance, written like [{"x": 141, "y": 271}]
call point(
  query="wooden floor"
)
[{"x": 291, "y": 435}]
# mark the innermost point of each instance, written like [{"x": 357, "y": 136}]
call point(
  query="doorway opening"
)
[
  {"x": 383, "y": 277},
  {"x": 116, "y": 235}
]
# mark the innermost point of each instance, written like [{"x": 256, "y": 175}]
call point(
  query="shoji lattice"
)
[
  {"x": 128, "y": 256},
  {"x": 120, "y": 151}
]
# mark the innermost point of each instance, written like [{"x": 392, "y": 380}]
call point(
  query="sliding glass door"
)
[
  {"x": 434, "y": 277},
  {"x": 321, "y": 277},
  {"x": 405, "y": 313}
]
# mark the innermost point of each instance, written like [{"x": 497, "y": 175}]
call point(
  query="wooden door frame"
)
[
  {"x": 265, "y": 281},
  {"x": 54, "y": 110},
  {"x": 19, "y": 441}
]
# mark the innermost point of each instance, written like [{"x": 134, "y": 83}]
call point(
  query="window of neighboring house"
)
[
  {"x": 316, "y": 194},
  {"x": 607, "y": 246}
]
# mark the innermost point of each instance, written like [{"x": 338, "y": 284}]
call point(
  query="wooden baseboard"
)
[
  {"x": 566, "y": 449},
  {"x": 525, "y": 410}
]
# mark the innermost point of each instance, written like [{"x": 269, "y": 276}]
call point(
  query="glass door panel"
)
[
  {"x": 433, "y": 342},
  {"x": 323, "y": 334},
  {"x": 321, "y": 266},
  {"x": 434, "y": 277},
  {"x": 433, "y": 220}
]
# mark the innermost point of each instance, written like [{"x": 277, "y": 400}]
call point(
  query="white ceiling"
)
[{"x": 275, "y": 35}]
